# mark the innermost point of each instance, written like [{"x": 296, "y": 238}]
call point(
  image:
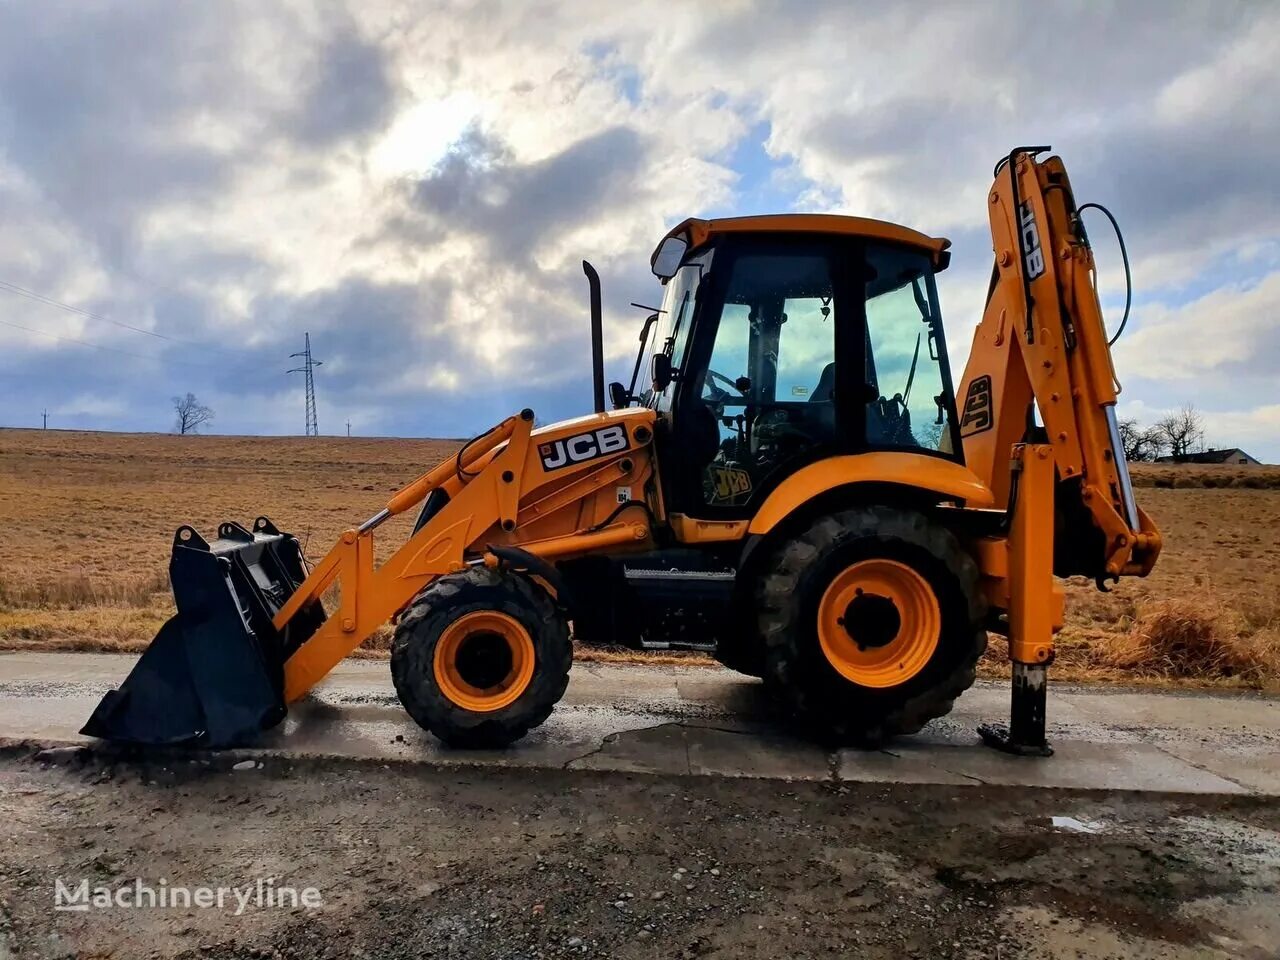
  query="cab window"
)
[{"x": 904, "y": 366}]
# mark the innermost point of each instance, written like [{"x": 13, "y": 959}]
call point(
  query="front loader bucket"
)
[{"x": 214, "y": 674}]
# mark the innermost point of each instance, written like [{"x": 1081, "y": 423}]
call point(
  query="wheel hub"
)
[
  {"x": 870, "y": 620},
  {"x": 879, "y": 623},
  {"x": 483, "y": 660}
]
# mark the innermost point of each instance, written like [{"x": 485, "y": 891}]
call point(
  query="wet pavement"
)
[{"x": 710, "y": 722}]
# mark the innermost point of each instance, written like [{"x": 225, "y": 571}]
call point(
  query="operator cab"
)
[{"x": 782, "y": 340}]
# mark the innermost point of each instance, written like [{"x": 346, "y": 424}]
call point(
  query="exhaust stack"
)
[{"x": 597, "y": 337}]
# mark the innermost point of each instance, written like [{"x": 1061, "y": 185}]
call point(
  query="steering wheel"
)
[{"x": 718, "y": 395}]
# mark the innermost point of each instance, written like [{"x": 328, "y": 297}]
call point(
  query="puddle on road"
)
[{"x": 1072, "y": 825}]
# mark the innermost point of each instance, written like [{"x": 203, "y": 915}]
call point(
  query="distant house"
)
[{"x": 1230, "y": 457}]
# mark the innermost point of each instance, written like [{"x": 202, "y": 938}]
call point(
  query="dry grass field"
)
[{"x": 86, "y": 520}]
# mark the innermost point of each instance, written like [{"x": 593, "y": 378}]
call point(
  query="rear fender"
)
[{"x": 938, "y": 478}]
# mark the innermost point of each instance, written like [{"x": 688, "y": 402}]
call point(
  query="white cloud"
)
[
  {"x": 1213, "y": 336},
  {"x": 421, "y": 135},
  {"x": 415, "y": 182}
]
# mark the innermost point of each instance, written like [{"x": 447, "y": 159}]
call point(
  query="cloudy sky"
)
[{"x": 416, "y": 183}]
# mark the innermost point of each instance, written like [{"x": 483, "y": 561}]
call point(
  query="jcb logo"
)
[
  {"x": 730, "y": 482},
  {"x": 977, "y": 407},
  {"x": 1034, "y": 258},
  {"x": 585, "y": 446}
]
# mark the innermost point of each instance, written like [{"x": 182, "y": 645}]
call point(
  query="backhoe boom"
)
[{"x": 1042, "y": 341}]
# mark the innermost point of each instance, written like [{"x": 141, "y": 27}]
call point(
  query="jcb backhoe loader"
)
[{"x": 797, "y": 477}]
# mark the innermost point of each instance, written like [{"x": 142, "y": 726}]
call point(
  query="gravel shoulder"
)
[{"x": 471, "y": 863}]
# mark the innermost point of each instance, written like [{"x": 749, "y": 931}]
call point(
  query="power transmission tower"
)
[{"x": 308, "y": 364}]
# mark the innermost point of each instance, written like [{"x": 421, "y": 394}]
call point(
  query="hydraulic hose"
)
[{"x": 1124, "y": 256}]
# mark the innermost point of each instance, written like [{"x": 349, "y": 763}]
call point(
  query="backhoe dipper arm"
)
[
  {"x": 1065, "y": 487},
  {"x": 1042, "y": 341}
]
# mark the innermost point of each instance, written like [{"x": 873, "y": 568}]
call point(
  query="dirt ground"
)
[
  {"x": 410, "y": 861},
  {"x": 86, "y": 520}
]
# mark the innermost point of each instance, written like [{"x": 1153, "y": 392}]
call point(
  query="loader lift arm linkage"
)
[
  {"x": 1042, "y": 343},
  {"x": 494, "y": 469}
]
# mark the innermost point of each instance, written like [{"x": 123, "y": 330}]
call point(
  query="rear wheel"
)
[
  {"x": 480, "y": 658},
  {"x": 872, "y": 622}
]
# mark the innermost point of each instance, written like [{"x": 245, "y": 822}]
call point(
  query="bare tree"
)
[
  {"x": 1140, "y": 445},
  {"x": 1182, "y": 432},
  {"x": 192, "y": 414}
]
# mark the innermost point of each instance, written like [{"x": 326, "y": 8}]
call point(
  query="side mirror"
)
[
  {"x": 660, "y": 370},
  {"x": 667, "y": 260},
  {"x": 618, "y": 395}
]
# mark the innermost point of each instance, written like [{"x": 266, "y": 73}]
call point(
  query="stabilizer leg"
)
[{"x": 1035, "y": 605}]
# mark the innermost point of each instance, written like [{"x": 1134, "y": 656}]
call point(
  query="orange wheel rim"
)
[
  {"x": 484, "y": 661},
  {"x": 879, "y": 623}
]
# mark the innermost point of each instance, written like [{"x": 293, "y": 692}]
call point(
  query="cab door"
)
[{"x": 761, "y": 388}]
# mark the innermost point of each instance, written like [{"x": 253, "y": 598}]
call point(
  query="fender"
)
[{"x": 946, "y": 478}]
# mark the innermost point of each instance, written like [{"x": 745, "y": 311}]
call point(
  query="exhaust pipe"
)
[{"x": 597, "y": 337}]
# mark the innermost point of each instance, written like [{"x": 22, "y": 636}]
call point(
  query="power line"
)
[
  {"x": 80, "y": 311},
  {"x": 13, "y": 288},
  {"x": 95, "y": 346},
  {"x": 309, "y": 363}
]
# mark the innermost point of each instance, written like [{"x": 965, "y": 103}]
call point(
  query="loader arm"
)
[
  {"x": 1064, "y": 486},
  {"x": 505, "y": 489}
]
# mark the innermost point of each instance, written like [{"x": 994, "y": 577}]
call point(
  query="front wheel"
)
[
  {"x": 872, "y": 622},
  {"x": 480, "y": 658}
]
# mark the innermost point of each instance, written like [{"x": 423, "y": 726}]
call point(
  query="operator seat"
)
[
  {"x": 820, "y": 419},
  {"x": 824, "y": 392}
]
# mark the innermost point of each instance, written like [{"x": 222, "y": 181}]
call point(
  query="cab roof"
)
[{"x": 700, "y": 232}]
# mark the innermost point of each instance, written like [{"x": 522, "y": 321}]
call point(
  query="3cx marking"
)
[{"x": 583, "y": 447}]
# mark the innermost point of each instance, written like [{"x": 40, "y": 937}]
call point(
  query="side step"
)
[{"x": 684, "y": 607}]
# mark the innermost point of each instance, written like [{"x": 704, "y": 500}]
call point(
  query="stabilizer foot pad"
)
[{"x": 997, "y": 735}]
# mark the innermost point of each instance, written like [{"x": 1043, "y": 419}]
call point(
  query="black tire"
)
[
  {"x": 421, "y": 627},
  {"x": 831, "y": 706}
]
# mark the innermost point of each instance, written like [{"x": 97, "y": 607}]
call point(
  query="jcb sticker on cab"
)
[
  {"x": 582, "y": 447},
  {"x": 729, "y": 482}
]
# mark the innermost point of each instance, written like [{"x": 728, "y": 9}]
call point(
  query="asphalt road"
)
[{"x": 711, "y": 722}]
